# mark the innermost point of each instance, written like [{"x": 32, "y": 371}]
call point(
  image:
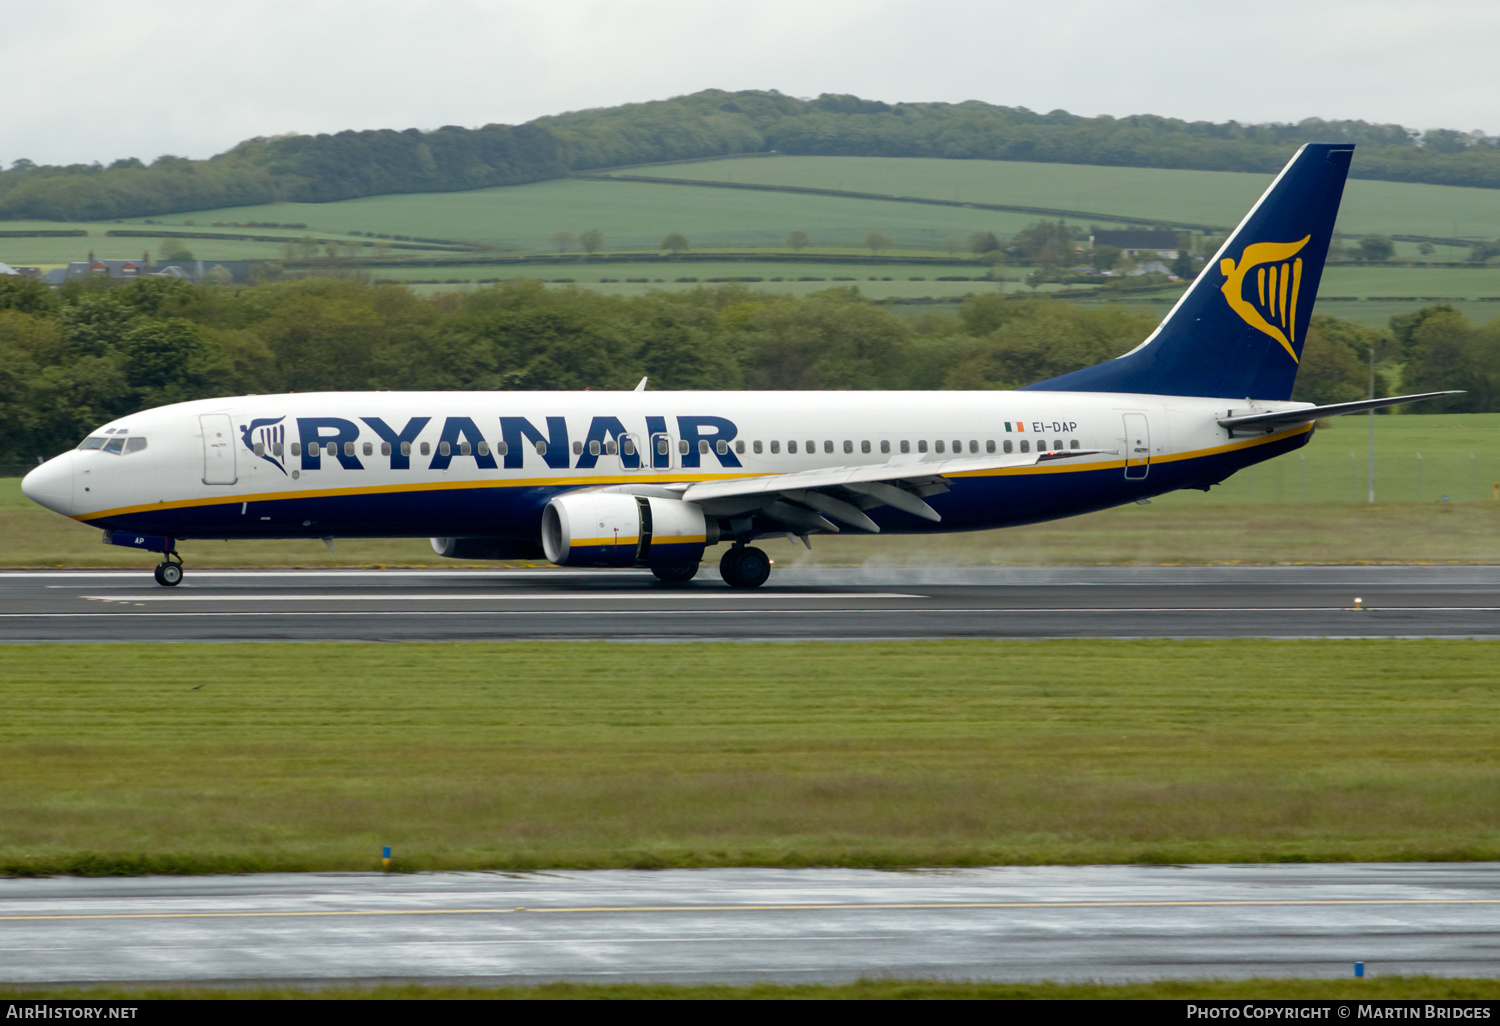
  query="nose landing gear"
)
[{"x": 169, "y": 573}]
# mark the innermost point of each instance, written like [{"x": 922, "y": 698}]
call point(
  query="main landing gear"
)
[
  {"x": 677, "y": 573},
  {"x": 745, "y": 567},
  {"x": 169, "y": 573}
]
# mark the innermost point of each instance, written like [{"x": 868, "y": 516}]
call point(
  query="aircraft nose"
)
[{"x": 51, "y": 484}]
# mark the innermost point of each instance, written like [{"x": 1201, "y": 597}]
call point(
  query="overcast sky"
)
[{"x": 85, "y": 82}]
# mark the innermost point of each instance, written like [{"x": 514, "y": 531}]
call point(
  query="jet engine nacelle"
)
[{"x": 615, "y": 529}]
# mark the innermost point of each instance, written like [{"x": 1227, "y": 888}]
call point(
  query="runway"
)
[
  {"x": 1105, "y": 923},
  {"x": 798, "y": 604}
]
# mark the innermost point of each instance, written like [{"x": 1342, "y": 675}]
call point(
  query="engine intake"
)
[{"x": 614, "y": 529}]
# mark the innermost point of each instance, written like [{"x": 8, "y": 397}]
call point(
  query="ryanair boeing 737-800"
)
[{"x": 651, "y": 479}]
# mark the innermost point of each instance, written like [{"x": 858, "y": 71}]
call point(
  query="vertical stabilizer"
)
[{"x": 1238, "y": 330}]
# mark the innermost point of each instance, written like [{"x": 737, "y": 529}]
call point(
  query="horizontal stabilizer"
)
[{"x": 1307, "y": 413}]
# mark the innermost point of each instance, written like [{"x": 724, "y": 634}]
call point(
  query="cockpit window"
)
[
  {"x": 92, "y": 442},
  {"x": 114, "y": 445},
  {"x": 135, "y": 444}
]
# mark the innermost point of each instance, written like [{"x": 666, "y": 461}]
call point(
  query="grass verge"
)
[{"x": 129, "y": 759}]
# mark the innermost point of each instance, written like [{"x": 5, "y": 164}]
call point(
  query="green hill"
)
[{"x": 711, "y": 123}]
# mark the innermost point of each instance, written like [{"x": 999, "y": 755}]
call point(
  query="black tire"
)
[
  {"x": 677, "y": 573},
  {"x": 169, "y": 574},
  {"x": 745, "y": 567},
  {"x": 729, "y": 566},
  {"x": 755, "y": 568}
]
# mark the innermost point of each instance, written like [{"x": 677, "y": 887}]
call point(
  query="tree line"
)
[
  {"x": 73, "y": 359},
  {"x": 711, "y": 123}
]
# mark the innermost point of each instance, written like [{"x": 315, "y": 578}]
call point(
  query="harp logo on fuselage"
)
[{"x": 1267, "y": 301}]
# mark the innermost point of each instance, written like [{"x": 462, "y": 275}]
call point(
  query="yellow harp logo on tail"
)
[{"x": 1278, "y": 278}]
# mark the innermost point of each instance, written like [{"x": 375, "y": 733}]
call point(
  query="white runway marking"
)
[
  {"x": 513, "y": 596},
  {"x": 486, "y": 572},
  {"x": 763, "y": 612}
]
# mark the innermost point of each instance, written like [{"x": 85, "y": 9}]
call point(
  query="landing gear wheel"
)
[
  {"x": 678, "y": 573},
  {"x": 745, "y": 567},
  {"x": 169, "y": 574}
]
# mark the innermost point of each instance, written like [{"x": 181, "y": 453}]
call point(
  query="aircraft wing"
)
[{"x": 811, "y": 500}]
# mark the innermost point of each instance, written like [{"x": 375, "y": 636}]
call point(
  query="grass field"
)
[
  {"x": 1370, "y": 287},
  {"x": 203, "y": 758},
  {"x": 1145, "y": 194},
  {"x": 638, "y": 215},
  {"x": 1306, "y": 507},
  {"x": 1379, "y": 988},
  {"x": 52, "y": 252}
]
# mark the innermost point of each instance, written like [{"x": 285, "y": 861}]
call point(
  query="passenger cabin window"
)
[
  {"x": 739, "y": 446},
  {"x": 1041, "y": 445},
  {"x": 1008, "y": 446},
  {"x": 922, "y": 445},
  {"x": 1057, "y": 443},
  {"x": 259, "y": 448},
  {"x": 757, "y": 447},
  {"x": 348, "y": 448},
  {"x": 426, "y": 448},
  {"x": 849, "y": 446},
  {"x": 682, "y": 446},
  {"x": 444, "y": 449},
  {"x": 827, "y": 445},
  {"x": 385, "y": 448},
  {"x": 369, "y": 449},
  {"x": 1073, "y": 444},
  {"x": 610, "y": 448},
  {"x": 791, "y": 446},
  {"x": 577, "y": 448},
  {"x": 628, "y": 447},
  {"x": 501, "y": 448},
  {"x": 277, "y": 449},
  {"x": 296, "y": 448},
  {"x": 905, "y": 445},
  {"x": 405, "y": 448},
  {"x": 1025, "y": 445},
  {"x": 885, "y": 445},
  {"x": 722, "y": 447},
  {"x": 973, "y": 445},
  {"x": 812, "y": 447},
  {"x": 594, "y": 447},
  {"x": 465, "y": 449},
  {"x": 864, "y": 446},
  {"x": 989, "y": 446},
  {"x": 775, "y": 448},
  {"x": 938, "y": 445},
  {"x": 541, "y": 448},
  {"x": 661, "y": 447}
]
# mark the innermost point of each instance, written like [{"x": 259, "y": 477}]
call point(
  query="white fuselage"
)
[{"x": 478, "y": 463}]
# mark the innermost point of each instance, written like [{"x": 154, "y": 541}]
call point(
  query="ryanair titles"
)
[{"x": 349, "y": 442}]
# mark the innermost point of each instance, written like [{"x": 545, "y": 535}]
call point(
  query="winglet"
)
[{"x": 640, "y": 387}]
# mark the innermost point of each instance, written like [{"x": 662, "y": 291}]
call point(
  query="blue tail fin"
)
[{"x": 1238, "y": 330}]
